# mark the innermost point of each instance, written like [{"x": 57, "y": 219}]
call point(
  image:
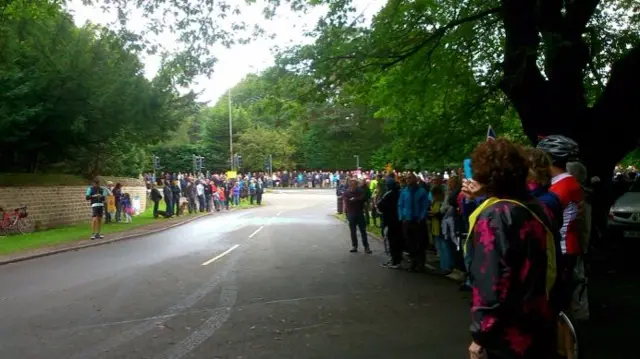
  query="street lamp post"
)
[
  {"x": 357, "y": 157},
  {"x": 230, "y": 133}
]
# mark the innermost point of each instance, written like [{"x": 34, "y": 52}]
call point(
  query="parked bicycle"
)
[{"x": 14, "y": 222}]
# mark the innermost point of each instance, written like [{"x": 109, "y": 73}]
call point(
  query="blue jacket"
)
[{"x": 413, "y": 204}]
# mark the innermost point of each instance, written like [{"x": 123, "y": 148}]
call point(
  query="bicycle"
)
[
  {"x": 563, "y": 319},
  {"x": 14, "y": 222}
]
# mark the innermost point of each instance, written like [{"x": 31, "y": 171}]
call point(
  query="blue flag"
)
[{"x": 491, "y": 135}]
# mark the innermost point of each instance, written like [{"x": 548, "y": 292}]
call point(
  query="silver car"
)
[{"x": 624, "y": 215}]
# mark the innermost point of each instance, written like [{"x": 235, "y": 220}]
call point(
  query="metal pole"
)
[
  {"x": 230, "y": 133},
  {"x": 270, "y": 164},
  {"x": 357, "y": 161}
]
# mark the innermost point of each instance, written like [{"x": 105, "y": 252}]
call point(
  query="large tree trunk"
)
[{"x": 556, "y": 103}]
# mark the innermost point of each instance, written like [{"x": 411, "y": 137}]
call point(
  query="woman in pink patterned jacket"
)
[{"x": 513, "y": 259}]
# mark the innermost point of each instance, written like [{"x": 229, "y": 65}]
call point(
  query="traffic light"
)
[
  {"x": 239, "y": 161},
  {"x": 266, "y": 164}
]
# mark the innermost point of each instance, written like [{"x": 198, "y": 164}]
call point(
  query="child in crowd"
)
[{"x": 127, "y": 208}]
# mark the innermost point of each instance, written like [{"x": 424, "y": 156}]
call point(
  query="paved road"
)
[{"x": 278, "y": 283}]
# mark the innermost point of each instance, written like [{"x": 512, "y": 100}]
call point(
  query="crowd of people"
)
[
  {"x": 518, "y": 229},
  {"x": 203, "y": 193}
]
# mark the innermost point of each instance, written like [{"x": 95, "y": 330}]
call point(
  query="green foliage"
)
[{"x": 75, "y": 100}]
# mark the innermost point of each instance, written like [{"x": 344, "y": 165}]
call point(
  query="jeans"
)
[
  {"x": 169, "y": 206},
  {"x": 176, "y": 204},
  {"x": 118, "y": 210},
  {"x": 259, "y": 198},
  {"x": 236, "y": 199},
  {"x": 445, "y": 248},
  {"x": 207, "y": 201},
  {"x": 201, "y": 203},
  {"x": 357, "y": 220}
]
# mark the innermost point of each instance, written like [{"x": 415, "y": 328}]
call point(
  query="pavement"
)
[{"x": 271, "y": 282}]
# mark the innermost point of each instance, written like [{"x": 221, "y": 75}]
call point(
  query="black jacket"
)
[
  {"x": 388, "y": 206},
  {"x": 155, "y": 195}
]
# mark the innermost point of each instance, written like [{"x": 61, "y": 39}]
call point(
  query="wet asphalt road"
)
[{"x": 284, "y": 287}]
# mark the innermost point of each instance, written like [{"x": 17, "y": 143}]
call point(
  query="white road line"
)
[
  {"x": 279, "y": 213},
  {"x": 220, "y": 255},
  {"x": 256, "y": 232}
]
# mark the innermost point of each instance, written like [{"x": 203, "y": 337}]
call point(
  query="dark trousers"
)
[
  {"x": 156, "y": 204},
  {"x": 176, "y": 205},
  {"x": 207, "y": 202},
  {"x": 118, "y": 210},
  {"x": 192, "y": 204},
  {"x": 414, "y": 233},
  {"x": 169, "y": 206},
  {"x": 259, "y": 198},
  {"x": 395, "y": 242},
  {"x": 201, "y": 203},
  {"x": 357, "y": 221},
  {"x": 367, "y": 219},
  {"x": 252, "y": 198},
  {"x": 156, "y": 211}
]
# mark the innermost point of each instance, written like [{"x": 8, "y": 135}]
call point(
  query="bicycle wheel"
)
[
  {"x": 24, "y": 226},
  {"x": 564, "y": 320}
]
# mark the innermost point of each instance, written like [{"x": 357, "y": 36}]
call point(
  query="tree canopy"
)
[
  {"x": 75, "y": 99},
  {"x": 417, "y": 86}
]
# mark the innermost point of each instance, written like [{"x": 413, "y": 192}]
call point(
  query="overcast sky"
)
[{"x": 234, "y": 63}]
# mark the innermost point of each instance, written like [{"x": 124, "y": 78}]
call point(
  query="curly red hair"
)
[{"x": 501, "y": 167}]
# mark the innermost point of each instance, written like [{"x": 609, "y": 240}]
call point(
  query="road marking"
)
[
  {"x": 220, "y": 255},
  {"x": 279, "y": 213},
  {"x": 256, "y": 232}
]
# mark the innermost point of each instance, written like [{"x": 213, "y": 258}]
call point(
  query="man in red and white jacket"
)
[{"x": 567, "y": 188}]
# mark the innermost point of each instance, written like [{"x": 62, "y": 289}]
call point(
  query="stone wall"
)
[{"x": 51, "y": 206}]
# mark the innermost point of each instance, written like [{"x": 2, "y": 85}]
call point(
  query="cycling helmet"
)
[{"x": 561, "y": 149}]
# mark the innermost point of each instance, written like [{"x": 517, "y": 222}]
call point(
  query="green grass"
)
[
  {"x": 77, "y": 232},
  {"x": 370, "y": 227},
  {"x": 41, "y": 179},
  {"x": 73, "y": 233}
]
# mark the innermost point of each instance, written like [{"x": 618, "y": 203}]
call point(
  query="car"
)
[{"x": 624, "y": 215}]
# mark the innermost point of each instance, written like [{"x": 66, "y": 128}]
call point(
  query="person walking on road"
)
[
  {"x": 413, "y": 207},
  {"x": 355, "y": 200},
  {"x": 96, "y": 196}
]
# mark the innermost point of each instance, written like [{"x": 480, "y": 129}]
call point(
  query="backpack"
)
[{"x": 552, "y": 269}]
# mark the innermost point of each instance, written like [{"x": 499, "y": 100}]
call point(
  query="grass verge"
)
[{"x": 81, "y": 231}]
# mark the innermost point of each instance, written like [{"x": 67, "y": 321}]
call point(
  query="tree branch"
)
[
  {"x": 523, "y": 83},
  {"x": 439, "y": 33},
  {"x": 618, "y": 107}
]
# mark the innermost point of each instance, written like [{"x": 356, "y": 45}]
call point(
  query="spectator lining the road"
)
[
  {"x": 514, "y": 260},
  {"x": 392, "y": 229},
  {"x": 413, "y": 206},
  {"x": 126, "y": 207},
  {"x": 96, "y": 196},
  {"x": 354, "y": 199}
]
